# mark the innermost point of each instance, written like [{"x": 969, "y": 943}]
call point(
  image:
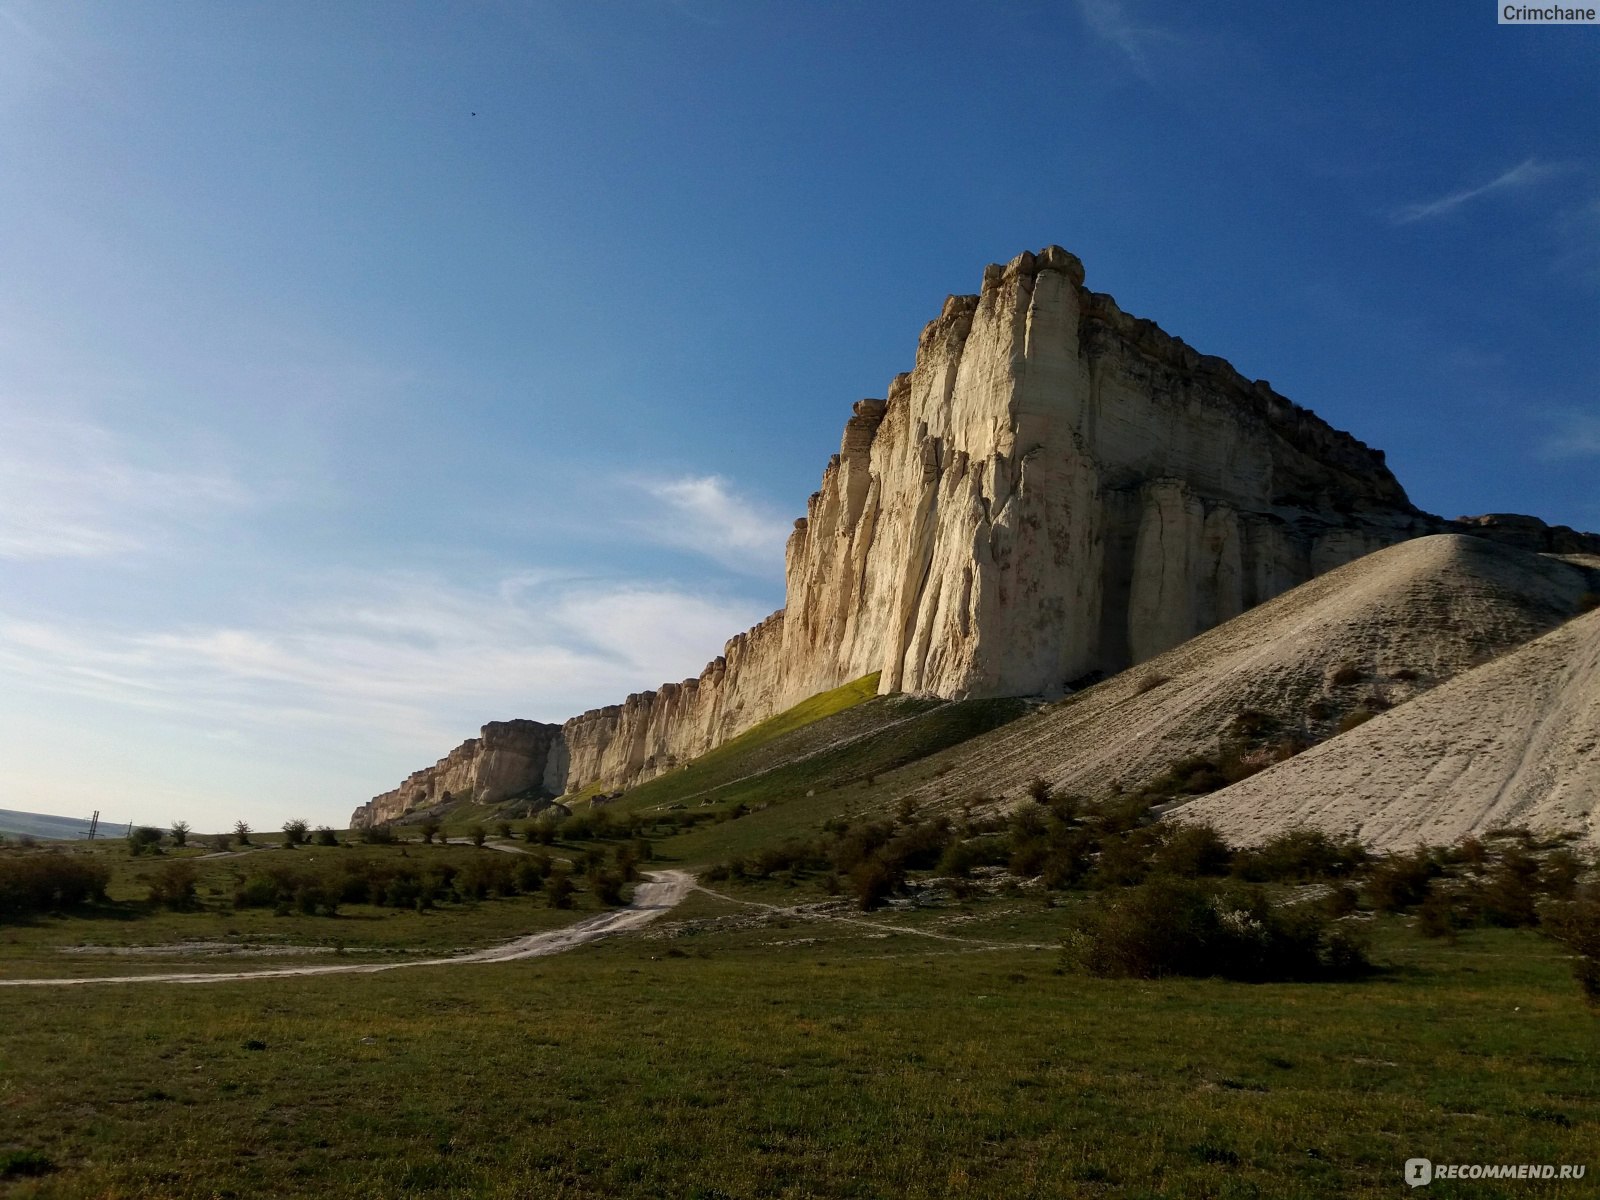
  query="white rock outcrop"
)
[
  {"x": 506, "y": 758},
  {"x": 1056, "y": 491}
]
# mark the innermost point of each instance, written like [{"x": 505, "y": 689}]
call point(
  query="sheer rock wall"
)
[{"x": 1056, "y": 491}]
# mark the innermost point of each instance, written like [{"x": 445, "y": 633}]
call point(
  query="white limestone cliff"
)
[
  {"x": 1056, "y": 491},
  {"x": 506, "y": 759}
]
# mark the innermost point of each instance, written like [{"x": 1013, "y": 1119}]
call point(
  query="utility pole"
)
[{"x": 94, "y": 823}]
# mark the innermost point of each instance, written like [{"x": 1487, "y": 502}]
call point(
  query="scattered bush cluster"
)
[
  {"x": 389, "y": 883},
  {"x": 1506, "y": 881},
  {"x": 1175, "y": 898},
  {"x": 49, "y": 882},
  {"x": 394, "y": 883},
  {"x": 1061, "y": 841},
  {"x": 1174, "y": 926}
]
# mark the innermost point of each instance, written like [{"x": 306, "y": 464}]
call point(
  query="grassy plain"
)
[
  {"x": 764, "y": 1040},
  {"x": 733, "y": 1050}
]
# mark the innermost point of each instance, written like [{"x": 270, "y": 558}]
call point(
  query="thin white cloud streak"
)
[
  {"x": 417, "y": 660},
  {"x": 68, "y": 490},
  {"x": 704, "y": 514},
  {"x": 1111, "y": 20},
  {"x": 1577, "y": 230},
  {"x": 1579, "y": 437},
  {"x": 1524, "y": 174}
]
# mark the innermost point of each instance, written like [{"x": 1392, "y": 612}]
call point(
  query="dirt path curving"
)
[{"x": 661, "y": 891}]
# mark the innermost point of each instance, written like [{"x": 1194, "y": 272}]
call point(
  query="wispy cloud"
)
[
  {"x": 69, "y": 490},
  {"x": 1577, "y": 230},
  {"x": 413, "y": 660},
  {"x": 1112, "y": 20},
  {"x": 706, "y": 515},
  {"x": 1578, "y": 437},
  {"x": 1524, "y": 174}
]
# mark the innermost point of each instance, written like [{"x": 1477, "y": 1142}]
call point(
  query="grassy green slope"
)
[
  {"x": 760, "y": 747},
  {"x": 863, "y": 777},
  {"x": 802, "y": 755}
]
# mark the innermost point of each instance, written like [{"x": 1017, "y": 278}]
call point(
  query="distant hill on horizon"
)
[{"x": 44, "y": 825}]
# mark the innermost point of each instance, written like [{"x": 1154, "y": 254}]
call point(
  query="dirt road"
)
[{"x": 661, "y": 891}]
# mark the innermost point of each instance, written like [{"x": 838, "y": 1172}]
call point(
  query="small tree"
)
[
  {"x": 478, "y": 834},
  {"x": 607, "y": 887},
  {"x": 241, "y": 832},
  {"x": 296, "y": 832},
  {"x": 180, "y": 833},
  {"x": 325, "y": 836},
  {"x": 145, "y": 837},
  {"x": 429, "y": 828},
  {"x": 558, "y": 889},
  {"x": 173, "y": 886},
  {"x": 503, "y": 829},
  {"x": 1576, "y": 923}
]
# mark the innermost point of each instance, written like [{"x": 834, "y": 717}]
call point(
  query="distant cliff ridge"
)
[
  {"x": 506, "y": 759},
  {"x": 1057, "y": 489}
]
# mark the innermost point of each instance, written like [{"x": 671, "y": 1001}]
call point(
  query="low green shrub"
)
[
  {"x": 558, "y": 889},
  {"x": 1171, "y": 926},
  {"x": 173, "y": 886},
  {"x": 607, "y": 886},
  {"x": 1399, "y": 881},
  {"x": 1299, "y": 855},
  {"x": 1575, "y": 923},
  {"x": 22, "y": 1164},
  {"x": 49, "y": 882}
]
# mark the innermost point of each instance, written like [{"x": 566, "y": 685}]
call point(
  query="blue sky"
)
[{"x": 372, "y": 370}]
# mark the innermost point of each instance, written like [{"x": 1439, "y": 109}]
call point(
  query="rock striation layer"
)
[{"x": 1057, "y": 490}]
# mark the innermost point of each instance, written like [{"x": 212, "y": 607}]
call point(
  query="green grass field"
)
[
  {"x": 762, "y": 1039},
  {"x": 732, "y": 1051}
]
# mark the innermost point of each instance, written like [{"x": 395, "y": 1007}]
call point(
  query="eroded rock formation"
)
[
  {"x": 1056, "y": 491},
  {"x": 506, "y": 759}
]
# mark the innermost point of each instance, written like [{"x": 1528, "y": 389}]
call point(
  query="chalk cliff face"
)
[
  {"x": 1056, "y": 490},
  {"x": 1059, "y": 488},
  {"x": 508, "y": 757}
]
